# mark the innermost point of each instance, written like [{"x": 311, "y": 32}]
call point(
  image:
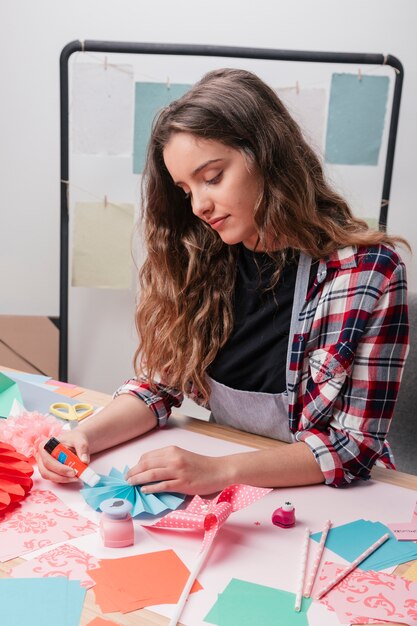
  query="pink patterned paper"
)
[
  {"x": 210, "y": 515},
  {"x": 364, "y": 596},
  {"x": 405, "y": 531},
  {"x": 41, "y": 520},
  {"x": 66, "y": 560}
]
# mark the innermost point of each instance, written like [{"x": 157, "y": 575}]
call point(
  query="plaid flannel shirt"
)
[{"x": 346, "y": 363}]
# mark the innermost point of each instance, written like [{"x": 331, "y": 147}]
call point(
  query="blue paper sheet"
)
[
  {"x": 149, "y": 99},
  {"x": 41, "y": 601},
  {"x": 115, "y": 486},
  {"x": 356, "y": 119},
  {"x": 39, "y": 398},
  {"x": 352, "y": 539}
]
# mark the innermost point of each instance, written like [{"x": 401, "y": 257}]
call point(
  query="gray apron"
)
[{"x": 258, "y": 412}]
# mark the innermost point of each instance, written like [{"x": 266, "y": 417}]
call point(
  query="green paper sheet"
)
[
  {"x": 9, "y": 391},
  {"x": 246, "y": 603},
  {"x": 356, "y": 119},
  {"x": 149, "y": 99}
]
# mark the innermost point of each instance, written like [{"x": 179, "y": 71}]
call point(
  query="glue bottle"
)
[{"x": 67, "y": 457}]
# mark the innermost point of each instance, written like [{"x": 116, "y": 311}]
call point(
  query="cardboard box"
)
[{"x": 30, "y": 344}]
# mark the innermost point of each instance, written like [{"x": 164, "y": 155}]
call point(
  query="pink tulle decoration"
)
[{"x": 26, "y": 431}]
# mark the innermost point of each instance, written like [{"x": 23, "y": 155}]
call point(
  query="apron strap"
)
[{"x": 300, "y": 294}]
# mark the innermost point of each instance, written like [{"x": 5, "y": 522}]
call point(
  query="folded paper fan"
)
[
  {"x": 115, "y": 486},
  {"x": 15, "y": 473}
]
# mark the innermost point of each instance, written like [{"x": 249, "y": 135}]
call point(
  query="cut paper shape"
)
[
  {"x": 149, "y": 99},
  {"x": 99, "y": 621},
  {"x": 102, "y": 108},
  {"x": 15, "y": 477},
  {"x": 356, "y": 119},
  {"x": 28, "y": 430},
  {"x": 307, "y": 106},
  {"x": 243, "y": 602},
  {"x": 369, "y": 594},
  {"x": 65, "y": 560},
  {"x": 405, "y": 531},
  {"x": 351, "y": 539},
  {"x": 39, "y": 601},
  {"x": 9, "y": 393},
  {"x": 41, "y": 520},
  {"x": 411, "y": 572},
  {"x": 102, "y": 245},
  {"x": 133, "y": 582},
  {"x": 38, "y": 397},
  {"x": 115, "y": 486}
]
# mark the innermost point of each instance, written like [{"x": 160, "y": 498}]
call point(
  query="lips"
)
[{"x": 217, "y": 222}]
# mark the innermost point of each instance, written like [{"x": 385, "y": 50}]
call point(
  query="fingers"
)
[{"x": 51, "y": 469}]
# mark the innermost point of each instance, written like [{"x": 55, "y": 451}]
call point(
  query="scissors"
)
[{"x": 71, "y": 412}]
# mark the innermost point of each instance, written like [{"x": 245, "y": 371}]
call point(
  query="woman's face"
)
[{"x": 223, "y": 186}]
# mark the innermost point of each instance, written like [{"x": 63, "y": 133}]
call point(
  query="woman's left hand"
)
[{"x": 177, "y": 470}]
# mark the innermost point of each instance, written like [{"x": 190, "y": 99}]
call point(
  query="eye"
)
[{"x": 216, "y": 179}]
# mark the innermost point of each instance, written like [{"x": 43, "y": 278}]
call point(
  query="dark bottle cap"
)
[{"x": 51, "y": 444}]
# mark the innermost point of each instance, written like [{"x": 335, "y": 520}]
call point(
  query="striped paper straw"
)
[
  {"x": 352, "y": 566},
  {"x": 304, "y": 555},
  {"x": 319, "y": 554}
]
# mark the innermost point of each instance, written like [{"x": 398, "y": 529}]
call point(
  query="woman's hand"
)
[
  {"x": 52, "y": 469},
  {"x": 178, "y": 470}
]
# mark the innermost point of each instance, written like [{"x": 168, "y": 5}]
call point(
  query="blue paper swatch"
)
[
  {"x": 149, "y": 99},
  {"x": 356, "y": 119}
]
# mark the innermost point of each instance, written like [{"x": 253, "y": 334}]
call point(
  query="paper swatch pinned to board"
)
[
  {"x": 307, "y": 107},
  {"x": 102, "y": 245},
  {"x": 149, "y": 99},
  {"x": 115, "y": 486},
  {"x": 356, "y": 119},
  {"x": 101, "y": 108}
]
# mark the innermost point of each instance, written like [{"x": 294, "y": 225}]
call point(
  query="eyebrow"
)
[{"x": 200, "y": 168}]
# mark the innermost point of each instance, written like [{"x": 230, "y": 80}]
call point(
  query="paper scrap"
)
[
  {"x": 99, "y": 621},
  {"x": 356, "y": 119},
  {"x": 9, "y": 393},
  {"x": 149, "y": 99},
  {"x": 102, "y": 255},
  {"x": 65, "y": 560},
  {"x": 243, "y": 602},
  {"x": 102, "y": 108},
  {"x": 133, "y": 582},
  {"x": 38, "y": 601},
  {"x": 307, "y": 106},
  {"x": 42, "y": 519},
  {"x": 368, "y": 594}
]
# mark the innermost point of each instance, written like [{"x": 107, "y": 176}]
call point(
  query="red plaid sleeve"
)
[{"x": 160, "y": 401}]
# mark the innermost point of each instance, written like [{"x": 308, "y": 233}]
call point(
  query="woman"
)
[{"x": 262, "y": 297}]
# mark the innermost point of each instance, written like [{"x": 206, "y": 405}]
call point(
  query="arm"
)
[{"x": 350, "y": 402}]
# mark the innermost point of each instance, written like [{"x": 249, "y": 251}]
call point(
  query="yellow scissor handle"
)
[{"x": 71, "y": 412}]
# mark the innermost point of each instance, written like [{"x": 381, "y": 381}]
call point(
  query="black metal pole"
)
[{"x": 356, "y": 58}]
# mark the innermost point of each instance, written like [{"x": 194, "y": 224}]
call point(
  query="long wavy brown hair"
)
[{"x": 185, "y": 309}]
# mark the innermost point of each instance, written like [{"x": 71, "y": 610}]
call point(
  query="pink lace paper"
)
[
  {"x": 66, "y": 560},
  {"x": 40, "y": 520},
  {"x": 364, "y": 597},
  {"x": 210, "y": 515}
]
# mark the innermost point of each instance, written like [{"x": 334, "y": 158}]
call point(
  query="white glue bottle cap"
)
[{"x": 90, "y": 477}]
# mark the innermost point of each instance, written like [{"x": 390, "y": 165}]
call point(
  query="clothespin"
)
[
  {"x": 359, "y": 74},
  {"x": 297, "y": 88},
  {"x": 168, "y": 83}
]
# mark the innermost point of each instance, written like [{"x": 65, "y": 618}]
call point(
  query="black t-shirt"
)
[{"x": 254, "y": 357}]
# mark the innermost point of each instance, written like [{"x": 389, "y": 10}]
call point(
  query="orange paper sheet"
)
[
  {"x": 99, "y": 621},
  {"x": 137, "y": 581}
]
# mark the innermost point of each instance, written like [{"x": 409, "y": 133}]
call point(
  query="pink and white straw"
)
[
  {"x": 336, "y": 580},
  {"x": 303, "y": 566},
  {"x": 317, "y": 560}
]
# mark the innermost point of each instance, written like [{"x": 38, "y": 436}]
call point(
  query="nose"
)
[{"x": 202, "y": 204}]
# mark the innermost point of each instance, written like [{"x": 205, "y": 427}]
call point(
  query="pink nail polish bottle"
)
[
  {"x": 116, "y": 524},
  {"x": 284, "y": 516}
]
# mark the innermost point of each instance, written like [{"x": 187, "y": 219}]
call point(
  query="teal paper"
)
[
  {"x": 356, "y": 119},
  {"x": 41, "y": 601},
  {"x": 149, "y": 99},
  {"x": 246, "y": 604},
  {"x": 352, "y": 539},
  {"x": 9, "y": 392},
  {"x": 115, "y": 486}
]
